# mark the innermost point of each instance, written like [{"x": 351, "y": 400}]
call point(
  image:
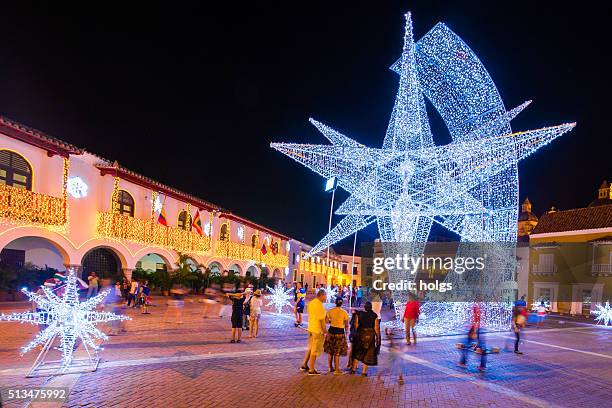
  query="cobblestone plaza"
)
[{"x": 157, "y": 364}]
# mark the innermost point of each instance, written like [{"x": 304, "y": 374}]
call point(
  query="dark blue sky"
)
[{"x": 172, "y": 90}]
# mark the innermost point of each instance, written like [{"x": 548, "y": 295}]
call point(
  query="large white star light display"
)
[
  {"x": 469, "y": 186},
  {"x": 65, "y": 316}
]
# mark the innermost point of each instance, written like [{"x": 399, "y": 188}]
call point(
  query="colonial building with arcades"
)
[{"x": 62, "y": 206}]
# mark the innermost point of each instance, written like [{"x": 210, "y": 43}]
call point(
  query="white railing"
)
[
  {"x": 601, "y": 268},
  {"x": 544, "y": 269}
]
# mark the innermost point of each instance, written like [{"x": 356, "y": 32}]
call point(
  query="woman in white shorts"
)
[{"x": 256, "y": 304}]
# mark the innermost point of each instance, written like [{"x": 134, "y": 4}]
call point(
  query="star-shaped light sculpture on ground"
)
[
  {"x": 330, "y": 294},
  {"x": 469, "y": 186},
  {"x": 603, "y": 314},
  {"x": 65, "y": 316},
  {"x": 279, "y": 297}
]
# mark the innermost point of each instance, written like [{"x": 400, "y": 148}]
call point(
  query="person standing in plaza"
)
[
  {"x": 359, "y": 296},
  {"x": 93, "y": 282},
  {"x": 368, "y": 340},
  {"x": 411, "y": 316},
  {"x": 299, "y": 306},
  {"x": 316, "y": 331},
  {"x": 541, "y": 311},
  {"x": 518, "y": 322},
  {"x": 246, "y": 309},
  {"x": 237, "y": 310},
  {"x": 145, "y": 298},
  {"x": 256, "y": 304},
  {"x": 352, "y": 336},
  {"x": 133, "y": 293},
  {"x": 335, "y": 339}
]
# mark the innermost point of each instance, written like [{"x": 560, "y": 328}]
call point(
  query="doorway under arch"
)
[{"x": 104, "y": 262}]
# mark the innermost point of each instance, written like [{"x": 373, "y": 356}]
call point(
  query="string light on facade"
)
[
  {"x": 469, "y": 186},
  {"x": 603, "y": 314},
  {"x": 279, "y": 297},
  {"x": 65, "y": 317}
]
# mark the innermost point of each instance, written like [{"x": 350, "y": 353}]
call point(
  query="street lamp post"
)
[{"x": 330, "y": 185}]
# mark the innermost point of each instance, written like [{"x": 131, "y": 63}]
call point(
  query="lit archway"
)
[
  {"x": 104, "y": 261},
  {"x": 36, "y": 251},
  {"x": 215, "y": 268},
  {"x": 252, "y": 271},
  {"x": 236, "y": 269}
]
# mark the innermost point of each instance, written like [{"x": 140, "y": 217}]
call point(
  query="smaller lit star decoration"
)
[
  {"x": 279, "y": 297},
  {"x": 76, "y": 187},
  {"x": 331, "y": 294},
  {"x": 65, "y": 316},
  {"x": 603, "y": 314}
]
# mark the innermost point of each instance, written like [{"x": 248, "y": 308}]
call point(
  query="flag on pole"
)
[
  {"x": 60, "y": 276},
  {"x": 162, "y": 216},
  {"x": 197, "y": 223},
  {"x": 263, "y": 249}
]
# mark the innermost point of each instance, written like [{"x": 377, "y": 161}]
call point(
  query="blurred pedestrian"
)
[
  {"x": 396, "y": 361},
  {"x": 93, "y": 282},
  {"x": 475, "y": 340},
  {"x": 246, "y": 308},
  {"x": 176, "y": 304},
  {"x": 145, "y": 298},
  {"x": 133, "y": 293},
  {"x": 359, "y": 296}
]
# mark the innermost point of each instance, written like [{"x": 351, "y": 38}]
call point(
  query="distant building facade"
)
[{"x": 570, "y": 257}]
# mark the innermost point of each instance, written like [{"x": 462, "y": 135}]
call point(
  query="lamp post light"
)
[{"x": 330, "y": 185}]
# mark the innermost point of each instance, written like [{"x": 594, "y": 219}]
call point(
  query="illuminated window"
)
[
  {"x": 15, "y": 170},
  {"x": 254, "y": 241},
  {"x": 224, "y": 233},
  {"x": 125, "y": 203},
  {"x": 184, "y": 221}
]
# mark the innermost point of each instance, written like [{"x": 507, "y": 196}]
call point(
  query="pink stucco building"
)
[{"x": 61, "y": 205}]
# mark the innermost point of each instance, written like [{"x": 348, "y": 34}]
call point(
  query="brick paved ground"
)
[{"x": 156, "y": 364}]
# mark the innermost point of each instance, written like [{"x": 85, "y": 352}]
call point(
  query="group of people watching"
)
[{"x": 363, "y": 332}]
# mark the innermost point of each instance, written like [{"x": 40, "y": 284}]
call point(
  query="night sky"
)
[{"x": 192, "y": 97}]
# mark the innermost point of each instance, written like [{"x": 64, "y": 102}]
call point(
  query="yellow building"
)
[{"x": 570, "y": 257}]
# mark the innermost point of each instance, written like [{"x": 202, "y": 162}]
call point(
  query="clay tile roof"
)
[
  {"x": 575, "y": 220},
  {"x": 37, "y": 138},
  {"x": 116, "y": 170}
]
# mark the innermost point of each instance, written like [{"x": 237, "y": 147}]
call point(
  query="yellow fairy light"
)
[{"x": 123, "y": 227}]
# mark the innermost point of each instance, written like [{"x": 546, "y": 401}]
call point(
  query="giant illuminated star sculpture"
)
[
  {"x": 65, "y": 316},
  {"x": 469, "y": 186}
]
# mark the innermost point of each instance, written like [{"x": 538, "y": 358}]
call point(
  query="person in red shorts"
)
[{"x": 411, "y": 316}]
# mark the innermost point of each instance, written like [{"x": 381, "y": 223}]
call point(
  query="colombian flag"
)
[
  {"x": 263, "y": 249},
  {"x": 162, "y": 217},
  {"x": 197, "y": 223}
]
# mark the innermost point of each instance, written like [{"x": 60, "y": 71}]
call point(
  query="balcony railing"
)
[
  {"x": 235, "y": 250},
  {"x": 602, "y": 269},
  {"x": 22, "y": 205},
  {"x": 544, "y": 269},
  {"x": 315, "y": 267},
  {"x": 150, "y": 232}
]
